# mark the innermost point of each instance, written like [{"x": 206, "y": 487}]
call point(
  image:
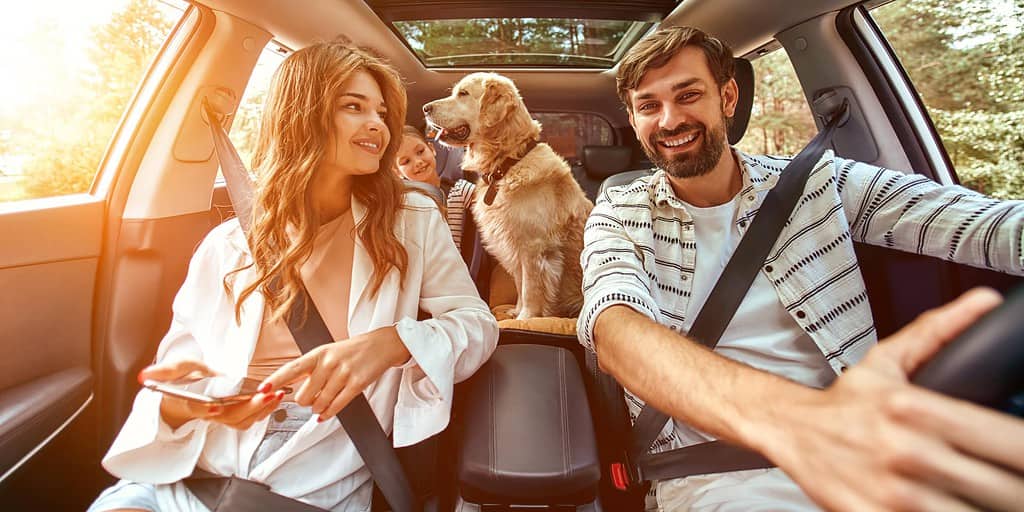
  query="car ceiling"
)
[{"x": 745, "y": 24}]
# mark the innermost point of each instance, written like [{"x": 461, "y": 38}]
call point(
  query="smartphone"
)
[{"x": 185, "y": 389}]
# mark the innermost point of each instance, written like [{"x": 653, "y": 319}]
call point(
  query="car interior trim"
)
[
  {"x": 69, "y": 389},
  {"x": 154, "y": 81},
  {"x": 28, "y": 456}
]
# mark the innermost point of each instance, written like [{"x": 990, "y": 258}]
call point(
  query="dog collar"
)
[{"x": 492, "y": 178}]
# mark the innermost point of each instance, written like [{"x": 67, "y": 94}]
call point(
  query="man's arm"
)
[
  {"x": 912, "y": 213},
  {"x": 871, "y": 441},
  {"x": 685, "y": 380}
]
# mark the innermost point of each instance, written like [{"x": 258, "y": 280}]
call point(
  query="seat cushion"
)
[
  {"x": 542, "y": 324},
  {"x": 527, "y": 432}
]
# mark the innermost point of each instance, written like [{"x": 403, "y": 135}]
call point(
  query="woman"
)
[
  {"x": 327, "y": 219},
  {"x": 416, "y": 161}
]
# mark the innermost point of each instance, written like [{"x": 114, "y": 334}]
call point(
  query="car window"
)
[
  {"x": 964, "y": 58},
  {"x": 780, "y": 121},
  {"x": 246, "y": 125},
  {"x": 568, "y": 132},
  {"x": 64, "y": 91}
]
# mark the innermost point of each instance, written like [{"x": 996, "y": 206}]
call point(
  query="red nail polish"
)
[
  {"x": 321, "y": 419},
  {"x": 279, "y": 394},
  {"x": 139, "y": 377},
  {"x": 264, "y": 388},
  {"x": 267, "y": 398}
]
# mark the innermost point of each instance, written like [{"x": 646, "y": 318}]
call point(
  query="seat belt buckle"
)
[{"x": 624, "y": 475}]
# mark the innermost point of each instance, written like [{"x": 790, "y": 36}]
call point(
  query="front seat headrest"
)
[
  {"x": 745, "y": 102},
  {"x": 603, "y": 161}
]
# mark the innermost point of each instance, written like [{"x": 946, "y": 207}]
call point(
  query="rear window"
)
[
  {"x": 568, "y": 132},
  {"x": 563, "y": 42}
]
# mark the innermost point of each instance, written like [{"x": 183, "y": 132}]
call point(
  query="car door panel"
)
[
  {"x": 47, "y": 281},
  {"x": 33, "y": 412}
]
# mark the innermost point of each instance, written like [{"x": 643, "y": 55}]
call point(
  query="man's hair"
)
[{"x": 656, "y": 50}]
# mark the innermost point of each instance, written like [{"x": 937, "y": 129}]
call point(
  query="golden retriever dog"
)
[{"x": 529, "y": 209}]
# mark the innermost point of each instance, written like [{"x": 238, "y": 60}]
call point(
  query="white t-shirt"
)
[{"x": 761, "y": 334}]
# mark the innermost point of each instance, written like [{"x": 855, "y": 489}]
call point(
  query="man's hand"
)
[{"x": 873, "y": 441}]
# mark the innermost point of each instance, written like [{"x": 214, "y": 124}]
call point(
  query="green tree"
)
[
  {"x": 780, "y": 121},
  {"x": 964, "y": 60},
  {"x": 494, "y": 41},
  {"x": 69, "y": 145}
]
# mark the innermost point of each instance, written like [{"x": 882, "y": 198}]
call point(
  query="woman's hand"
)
[
  {"x": 177, "y": 411},
  {"x": 339, "y": 371}
]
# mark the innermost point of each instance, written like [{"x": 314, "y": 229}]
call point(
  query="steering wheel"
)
[{"x": 985, "y": 364}]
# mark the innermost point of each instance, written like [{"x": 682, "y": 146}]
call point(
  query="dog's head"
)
[{"x": 483, "y": 107}]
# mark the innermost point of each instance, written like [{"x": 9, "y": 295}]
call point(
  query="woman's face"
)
[
  {"x": 359, "y": 133},
  {"x": 416, "y": 161}
]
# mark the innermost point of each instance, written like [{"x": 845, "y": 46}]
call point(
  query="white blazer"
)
[{"x": 319, "y": 464}]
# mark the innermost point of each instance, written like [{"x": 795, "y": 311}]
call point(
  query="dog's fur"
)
[{"x": 534, "y": 227}]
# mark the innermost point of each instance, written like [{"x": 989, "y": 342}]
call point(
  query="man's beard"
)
[{"x": 693, "y": 163}]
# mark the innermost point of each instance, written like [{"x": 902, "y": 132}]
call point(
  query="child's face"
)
[{"x": 416, "y": 160}]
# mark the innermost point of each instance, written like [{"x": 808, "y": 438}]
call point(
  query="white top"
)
[
  {"x": 762, "y": 335},
  {"x": 319, "y": 464}
]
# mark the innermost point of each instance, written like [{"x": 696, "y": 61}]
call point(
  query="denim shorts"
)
[{"x": 284, "y": 422}]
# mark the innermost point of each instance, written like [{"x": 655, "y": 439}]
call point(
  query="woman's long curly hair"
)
[{"x": 295, "y": 129}]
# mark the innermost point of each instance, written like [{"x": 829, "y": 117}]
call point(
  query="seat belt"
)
[
  {"x": 712, "y": 321},
  {"x": 357, "y": 418}
]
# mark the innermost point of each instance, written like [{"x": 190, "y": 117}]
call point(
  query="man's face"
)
[{"x": 679, "y": 114}]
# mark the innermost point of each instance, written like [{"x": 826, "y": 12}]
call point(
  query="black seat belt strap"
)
[
  {"x": 357, "y": 418},
  {"x": 735, "y": 281}
]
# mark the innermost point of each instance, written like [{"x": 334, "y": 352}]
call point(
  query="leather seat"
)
[
  {"x": 528, "y": 436},
  {"x": 600, "y": 162}
]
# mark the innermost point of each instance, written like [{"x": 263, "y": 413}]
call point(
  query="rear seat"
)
[{"x": 600, "y": 162}]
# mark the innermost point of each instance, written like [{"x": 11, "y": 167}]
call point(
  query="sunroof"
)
[{"x": 533, "y": 42}]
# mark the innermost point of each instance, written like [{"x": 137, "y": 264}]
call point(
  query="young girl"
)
[
  {"x": 326, "y": 218},
  {"x": 417, "y": 161}
]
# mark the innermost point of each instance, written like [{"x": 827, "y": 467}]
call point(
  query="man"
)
[{"x": 863, "y": 439}]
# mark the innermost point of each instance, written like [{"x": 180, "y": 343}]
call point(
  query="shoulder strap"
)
[
  {"x": 356, "y": 418},
  {"x": 744, "y": 265}
]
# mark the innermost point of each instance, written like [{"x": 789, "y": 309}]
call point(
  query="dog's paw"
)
[
  {"x": 525, "y": 314},
  {"x": 504, "y": 312}
]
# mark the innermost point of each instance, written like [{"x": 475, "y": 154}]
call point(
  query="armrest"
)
[
  {"x": 527, "y": 432},
  {"x": 31, "y": 412}
]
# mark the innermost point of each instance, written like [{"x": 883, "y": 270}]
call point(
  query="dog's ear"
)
[{"x": 496, "y": 104}]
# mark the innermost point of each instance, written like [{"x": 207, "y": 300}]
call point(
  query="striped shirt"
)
[
  {"x": 639, "y": 247},
  {"x": 459, "y": 199}
]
